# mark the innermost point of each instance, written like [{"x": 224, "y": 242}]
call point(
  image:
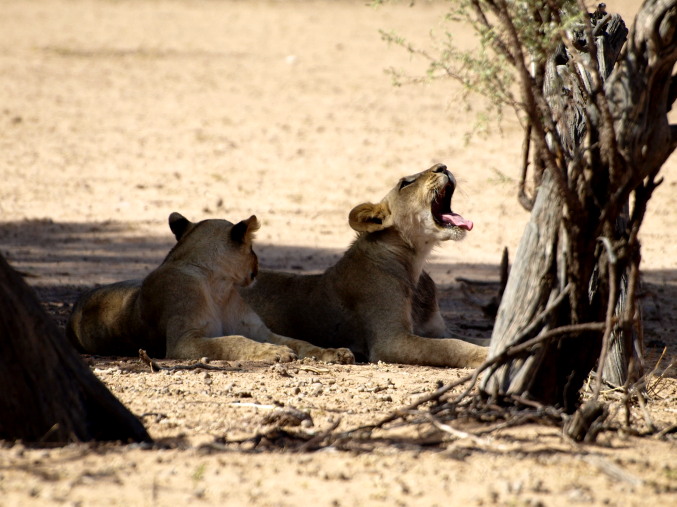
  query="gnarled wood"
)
[{"x": 610, "y": 140}]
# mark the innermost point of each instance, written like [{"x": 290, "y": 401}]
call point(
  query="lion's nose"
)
[{"x": 440, "y": 168}]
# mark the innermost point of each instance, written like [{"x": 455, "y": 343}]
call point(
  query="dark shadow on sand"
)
[{"x": 62, "y": 259}]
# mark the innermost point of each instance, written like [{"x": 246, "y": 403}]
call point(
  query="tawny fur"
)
[
  {"x": 376, "y": 300},
  {"x": 189, "y": 307}
]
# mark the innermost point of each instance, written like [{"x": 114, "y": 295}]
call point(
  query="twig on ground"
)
[
  {"x": 275, "y": 437},
  {"x": 317, "y": 439},
  {"x": 484, "y": 442},
  {"x": 288, "y": 416},
  {"x": 253, "y": 405},
  {"x": 652, "y": 388},
  {"x": 511, "y": 351},
  {"x": 145, "y": 358},
  {"x": 645, "y": 411},
  {"x": 313, "y": 369},
  {"x": 665, "y": 431},
  {"x": 200, "y": 365},
  {"x": 158, "y": 416},
  {"x": 586, "y": 423}
]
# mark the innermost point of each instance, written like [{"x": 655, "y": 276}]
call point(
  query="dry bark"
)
[{"x": 610, "y": 139}]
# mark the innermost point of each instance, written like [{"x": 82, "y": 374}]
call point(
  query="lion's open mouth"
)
[{"x": 441, "y": 210}]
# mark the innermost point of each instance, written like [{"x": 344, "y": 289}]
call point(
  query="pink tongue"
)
[{"x": 458, "y": 221}]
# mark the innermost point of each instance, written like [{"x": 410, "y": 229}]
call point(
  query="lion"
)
[
  {"x": 188, "y": 307},
  {"x": 377, "y": 300}
]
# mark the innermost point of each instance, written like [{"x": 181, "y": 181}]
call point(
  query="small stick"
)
[
  {"x": 314, "y": 369},
  {"x": 665, "y": 431},
  {"x": 158, "y": 415},
  {"x": 254, "y": 405},
  {"x": 645, "y": 411},
  {"x": 155, "y": 366},
  {"x": 463, "y": 434},
  {"x": 317, "y": 439},
  {"x": 509, "y": 352}
]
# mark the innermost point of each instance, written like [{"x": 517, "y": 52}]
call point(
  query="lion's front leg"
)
[
  {"x": 305, "y": 349},
  {"x": 187, "y": 341},
  {"x": 250, "y": 324},
  {"x": 408, "y": 348},
  {"x": 434, "y": 326},
  {"x": 227, "y": 348}
]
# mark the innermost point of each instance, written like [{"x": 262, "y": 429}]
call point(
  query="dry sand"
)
[{"x": 116, "y": 113}]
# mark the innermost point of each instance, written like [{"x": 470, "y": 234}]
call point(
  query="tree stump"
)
[
  {"x": 48, "y": 393},
  {"x": 607, "y": 138}
]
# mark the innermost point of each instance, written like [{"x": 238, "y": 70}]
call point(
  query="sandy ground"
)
[{"x": 116, "y": 113}]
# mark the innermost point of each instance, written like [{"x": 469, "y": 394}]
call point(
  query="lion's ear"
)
[
  {"x": 179, "y": 225},
  {"x": 369, "y": 217},
  {"x": 243, "y": 232}
]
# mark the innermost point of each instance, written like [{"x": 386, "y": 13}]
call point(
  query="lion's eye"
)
[{"x": 406, "y": 181}]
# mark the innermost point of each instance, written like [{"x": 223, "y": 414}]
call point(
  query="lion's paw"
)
[
  {"x": 274, "y": 353},
  {"x": 339, "y": 356}
]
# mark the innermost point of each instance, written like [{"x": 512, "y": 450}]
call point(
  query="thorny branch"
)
[
  {"x": 518, "y": 349},
  {"x": 493, "y": 417}
]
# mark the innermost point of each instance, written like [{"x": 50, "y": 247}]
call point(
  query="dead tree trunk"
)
[
  {"x": 48, "y": 394},
  {"x": 596, "y": 144}
]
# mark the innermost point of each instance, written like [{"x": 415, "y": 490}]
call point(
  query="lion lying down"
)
[
  {"x": 377, "y": 300},
  {"x": 189, "y": 307}
]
